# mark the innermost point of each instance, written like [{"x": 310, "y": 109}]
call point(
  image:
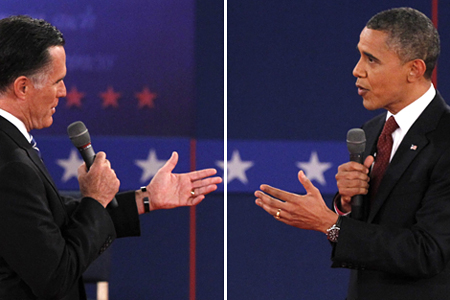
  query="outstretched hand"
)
[
  {"x": 169, "y": 190},
  {"x": 303, "y": 211}
]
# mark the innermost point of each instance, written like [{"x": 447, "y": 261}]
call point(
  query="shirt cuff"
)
[{"x": 336, "y": 209}]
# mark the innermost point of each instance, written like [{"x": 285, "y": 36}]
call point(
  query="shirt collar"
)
[
  {"x": 408, "y": 115},
  {"x": 16, "y": 122}
]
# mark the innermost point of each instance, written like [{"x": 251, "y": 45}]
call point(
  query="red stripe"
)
[
  {"x": 192, "y": 233},
  {"x": 434, "y": 19}
]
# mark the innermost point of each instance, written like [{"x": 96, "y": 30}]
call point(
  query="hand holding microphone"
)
[{"x": 101, "y": 182}]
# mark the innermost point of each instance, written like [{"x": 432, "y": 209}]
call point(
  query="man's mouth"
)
[{"x": 361, "y": 90}]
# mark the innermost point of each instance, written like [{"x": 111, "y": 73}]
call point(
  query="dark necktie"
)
[
  {"x": 384, "y": 149},
  {"x": 34, "y": 145}
]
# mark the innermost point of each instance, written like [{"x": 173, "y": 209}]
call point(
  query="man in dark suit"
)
[
  {"x": 47, "y": 241},
  {"x": 401, "y": 249}
]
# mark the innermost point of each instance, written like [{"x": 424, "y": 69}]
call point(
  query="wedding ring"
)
[
  {"x": 277, "y": 216},
  {"x": 192, "y": 193}
]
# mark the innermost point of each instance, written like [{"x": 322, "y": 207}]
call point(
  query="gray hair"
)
[{"x": 411, "y": 34}]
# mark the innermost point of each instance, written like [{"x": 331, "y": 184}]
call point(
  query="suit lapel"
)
[
  {"x": 22, "y": 142},
  {"x": 373, "y": 131},
  {"x": 410, "y": 147},
  {"x": 40, "y": 165}
]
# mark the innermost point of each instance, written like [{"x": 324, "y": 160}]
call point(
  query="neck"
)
[
  {"x": 12, "y": 107},
  {"x": 410, "y": 95}
]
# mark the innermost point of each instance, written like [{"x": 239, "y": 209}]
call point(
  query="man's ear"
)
[
  {"x": 417, "y": 68},
  {"x": 21, "y": 87}
]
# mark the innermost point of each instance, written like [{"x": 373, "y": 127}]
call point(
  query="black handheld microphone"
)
[
  {"x": 356, "y": 144},
  {"x": 79, "y": 135}
]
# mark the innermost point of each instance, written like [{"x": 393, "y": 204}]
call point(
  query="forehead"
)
[
  {"x": 58, "y": 63},
  {"x": 374, "y": 40}
]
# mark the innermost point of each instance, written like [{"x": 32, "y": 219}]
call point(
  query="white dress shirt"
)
[
  {"x": 16, "y": 122},
  {"x": 408, "y": 115}
]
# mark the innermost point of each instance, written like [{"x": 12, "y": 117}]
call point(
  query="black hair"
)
[
  {"x": 411, "y": 34},
  {"x": 24, "y": 44}
]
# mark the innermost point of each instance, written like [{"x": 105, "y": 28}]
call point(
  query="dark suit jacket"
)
[
  {"x": 47, "y": 241},
  {"x": 403, "y": 250}
]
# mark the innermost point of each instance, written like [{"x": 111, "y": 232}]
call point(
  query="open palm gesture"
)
[{"x": 169, "y": 190}]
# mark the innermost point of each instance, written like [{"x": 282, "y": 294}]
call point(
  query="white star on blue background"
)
[
  {"x": 314, "y": 169},
  {"x": 236, "y": 167},
  {"x": 70, "y": 165},
  {"x": 149, "y": 166}
]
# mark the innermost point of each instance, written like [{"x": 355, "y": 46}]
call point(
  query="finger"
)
[
  {"x": 277, "y": 193},
  {"x": 82, "y": 169},
  {"x": 353, "y": 182},
  {"x": 200, "y": 174},
  {"x": 352, "y": 166},
  {"x": 196, "y": 200},
  {"x": 352, "y": 179},
  {"x": 345, "y": 199},
  {"x": 100, "y": 156},
  {"x": 207, "y": 181},
  {"x": 350, "y": 192},
  {"x": 261, "y": 202},
  {"x": 205, "y": 190},
  {"x": 268, "y": 200},
  {"x": 307, "y": 184},
  {"x": 108, "y": 163},
  {"x": 171, "y": 163}
]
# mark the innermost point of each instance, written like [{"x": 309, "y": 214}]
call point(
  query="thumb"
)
[
  {"x": 369, "y": 161},
  {"x": 82, "y": 169},
  {"x": 171, "y": 163},
  {"x": 307, "y": 184}
]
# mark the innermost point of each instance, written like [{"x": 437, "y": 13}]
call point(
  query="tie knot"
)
[
  {"x": 33, "y": 142},
  {"x": 390, "y": 126},
  {"x": 34, "y": 145}
]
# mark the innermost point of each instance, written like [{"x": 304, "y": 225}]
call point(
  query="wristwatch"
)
[{"x": 333, "y": 231}]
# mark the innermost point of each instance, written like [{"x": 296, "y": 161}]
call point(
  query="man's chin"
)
[
  {"x": 47, "y": 123},
  {"x": 369, "y": 105}
]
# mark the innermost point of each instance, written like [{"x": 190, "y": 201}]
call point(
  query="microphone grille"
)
[
  {"x": 79, "y": 134},
  {"x": 356, "y": 140}
]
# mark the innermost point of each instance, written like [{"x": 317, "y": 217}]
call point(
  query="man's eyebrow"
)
[
  {"x": 370, "y": 56},
  {"x": 60, "y": 79}
]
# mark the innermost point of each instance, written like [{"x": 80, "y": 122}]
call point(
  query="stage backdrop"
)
[
  {"x": 146, "y": 77},
  {"x": 291, "y": 100}
]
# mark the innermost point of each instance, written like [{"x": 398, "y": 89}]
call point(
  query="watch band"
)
[{"x": 146, "y": 200}]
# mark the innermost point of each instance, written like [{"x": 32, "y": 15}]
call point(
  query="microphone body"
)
[
  {"x": 356, "y": 144},
  {"x": 79, "y": 135}
]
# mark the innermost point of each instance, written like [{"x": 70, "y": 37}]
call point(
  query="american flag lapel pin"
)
[{"x": 413, "y": 147}]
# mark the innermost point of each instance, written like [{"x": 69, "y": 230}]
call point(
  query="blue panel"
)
[
  {"x": 252, "y": 163},
  {"x": 123, "y": 152},
  {"x": 130, "y": 47}
]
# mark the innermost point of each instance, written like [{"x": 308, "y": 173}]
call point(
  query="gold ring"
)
[
  {"x": 192, "y": 193},
  {"x": 278, "y": 214}
]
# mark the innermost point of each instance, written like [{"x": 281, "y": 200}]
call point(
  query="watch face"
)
[{"x": 333, "y": 234}]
